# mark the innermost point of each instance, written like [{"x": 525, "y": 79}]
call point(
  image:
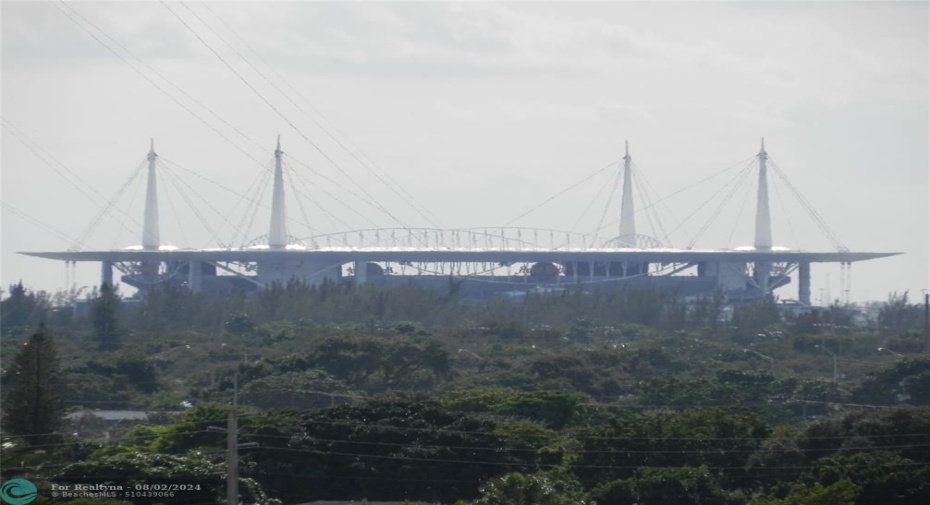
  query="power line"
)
[
  {"x": 146, "y": 77},
  {"x": 61, "y": 169},
  {"x": 405, "y": 196},
  {"x": 543, "y": 465},
  {"x": 9, "y": 207},
  {"x": 277, "y": 111}
]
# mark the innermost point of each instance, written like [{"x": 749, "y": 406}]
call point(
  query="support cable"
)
[
  {"x": 306, "y": 191},
  {"x": 723, "y": 188},
  {"x": 650, "y": 192},
  {"x": 250, "y": 196},
  {"x": 95, "y": 222},
  {"x": 736, "y": 220},
  {"x": 560, "y": 193},
  {"x": 740, "y": 163},
  {"x": 581, "y": 217},
  {"x": 805, "y": 203},
  {"x": 177, "y": 215},
  {"x": 180, "y": 185},
  {"x": 300, "y": 204},
  {"x": 373, "y": 203},
  {"x": 650, "y": 213},
  {"x": 610, "y": 199},
  {"x": 122, "y": 223},
  {"x": 347, "y": 206},
  {"x": 784, "y": 210},
  {"x": 252, "y": 208},
  {"x": 716, "y": 213}
]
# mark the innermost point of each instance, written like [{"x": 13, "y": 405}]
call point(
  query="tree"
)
[
  {"x": 22, "y": 309},
  {"x": 840, "y": 493},
  {"x": 519, "y": 489},
  {"x": 202, "y": 478},
  {"x": 104, "y": 309},
  {"x": 32, "y": 403}
]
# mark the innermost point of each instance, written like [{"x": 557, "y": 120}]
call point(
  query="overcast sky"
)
[{"x": 480, "y": 111}]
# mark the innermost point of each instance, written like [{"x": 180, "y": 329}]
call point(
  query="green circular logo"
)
[{"x": 18, "y": 491}]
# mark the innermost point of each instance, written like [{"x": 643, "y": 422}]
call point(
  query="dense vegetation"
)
[{"x": 406, "y": 393}]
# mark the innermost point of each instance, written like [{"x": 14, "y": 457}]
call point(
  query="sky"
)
[{"x": 467, "y": 114}]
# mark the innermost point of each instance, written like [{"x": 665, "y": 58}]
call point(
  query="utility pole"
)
[
  {"x": 927, "y": 323},
  {"x": 232, "y": 449}
]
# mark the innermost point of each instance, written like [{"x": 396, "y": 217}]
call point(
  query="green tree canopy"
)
[{"x": 32, "y": 402}]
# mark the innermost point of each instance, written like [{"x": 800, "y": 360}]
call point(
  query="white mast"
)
[
  {"x": 763, "y": 218},
  {"x": 277, "y": 237},
  {"x": 150, "y": 235},
  {"x": 627, "y": 221}
]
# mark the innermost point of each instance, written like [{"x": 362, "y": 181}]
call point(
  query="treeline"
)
[
  {"x": 169, "y": 308},
  {"x": 407, "y": 393},
  {"x": 507, "y": 449}
]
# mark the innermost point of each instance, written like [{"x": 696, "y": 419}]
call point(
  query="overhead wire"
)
[
  {"x": 402, "y": 193},
  {"x": 62, "y": 170},
  {"x": 300, "y": 204},
  {"x": 145, "y": 76},
  {"x": 537, "y": 464},
  {"x": 297, "y": 438},
  {"x": 181, "y": 104},
  {"x": 278, "y": 111},
  {"x": 335, "y": 199},
  {"x": 27, "y": 217},
  {"x": 304, "y": 185}
]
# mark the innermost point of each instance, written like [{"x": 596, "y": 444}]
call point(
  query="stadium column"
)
[
  {"x": 106, "y": 273},
  {"x": 195, "y": 276},
  {"x": 361, "y": 272},
  {"x": 804, "y": 283}
]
